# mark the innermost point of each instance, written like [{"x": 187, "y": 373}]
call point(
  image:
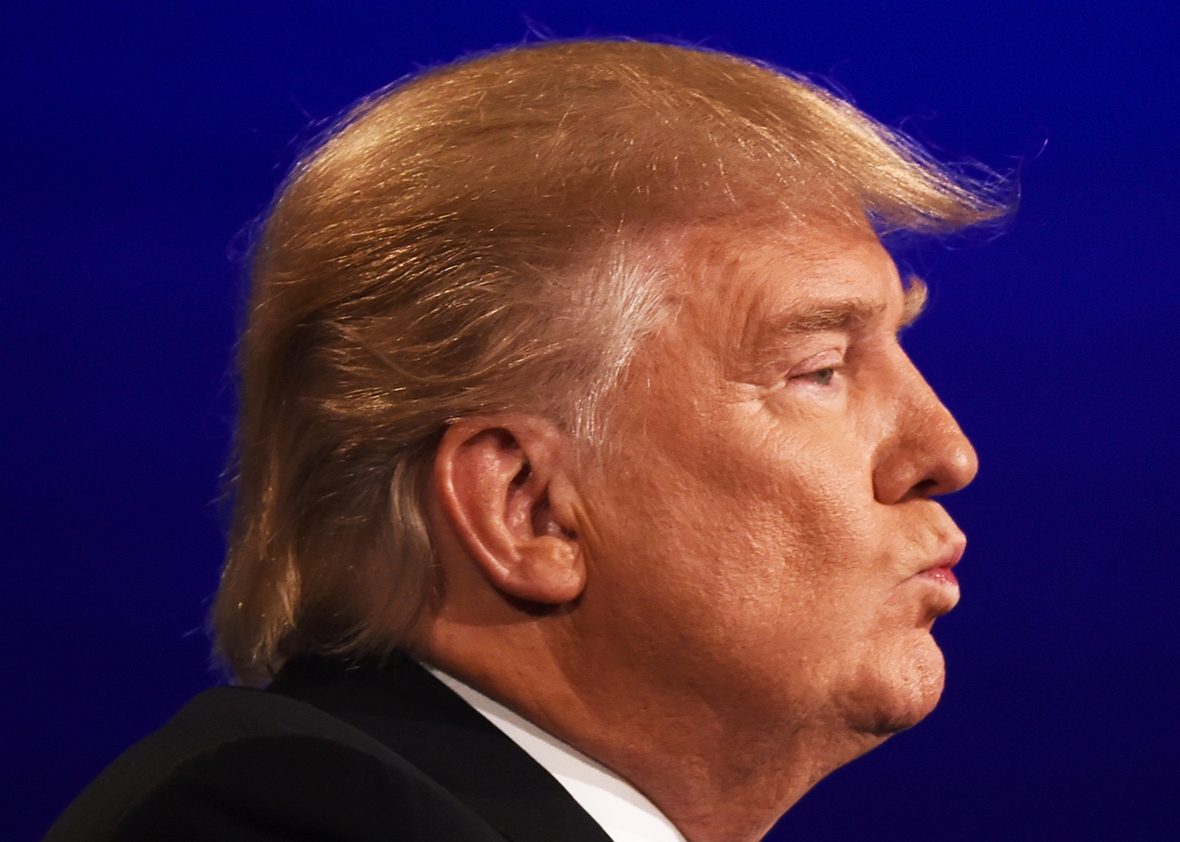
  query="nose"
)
[{"x": 925, "y": 453}]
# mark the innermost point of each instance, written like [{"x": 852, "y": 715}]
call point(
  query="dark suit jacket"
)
[{"x": 328, "y": 752}]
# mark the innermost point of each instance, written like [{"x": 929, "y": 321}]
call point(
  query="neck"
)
[
  {"x": 720, "y": 776},
  {"x": 719, "y": 772}
]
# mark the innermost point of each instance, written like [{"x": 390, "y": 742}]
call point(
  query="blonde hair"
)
[{"x": 473, "y": 240}]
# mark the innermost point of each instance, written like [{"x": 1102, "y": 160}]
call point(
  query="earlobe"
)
[{"x": 495, "y": 479}]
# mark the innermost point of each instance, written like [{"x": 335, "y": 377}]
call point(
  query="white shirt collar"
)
[{"x": 622, "y": 811}]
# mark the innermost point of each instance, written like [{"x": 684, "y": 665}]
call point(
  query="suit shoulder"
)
[{"x": 237, "y": 764}]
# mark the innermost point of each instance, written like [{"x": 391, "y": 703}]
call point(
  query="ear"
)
[{"x": 503, "y": 485}]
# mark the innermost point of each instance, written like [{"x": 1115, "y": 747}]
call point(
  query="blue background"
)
[{"x": 138, "y": 138}]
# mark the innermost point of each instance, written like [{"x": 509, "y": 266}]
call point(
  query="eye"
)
[
  {"x": 822, "y": 376},
  {"x": 819, "y": 376},
  {"x": 820, "y": 370}
]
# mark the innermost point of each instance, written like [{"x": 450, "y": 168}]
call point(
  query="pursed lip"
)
[{"x": 942, "y": 567}]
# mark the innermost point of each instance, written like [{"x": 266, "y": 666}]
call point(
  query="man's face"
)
[{"x": 762, "y": 536}]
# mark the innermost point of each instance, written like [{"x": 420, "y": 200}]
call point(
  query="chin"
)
[{"x": 897, "y": 692}]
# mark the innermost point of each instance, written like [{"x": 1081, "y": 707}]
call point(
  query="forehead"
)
[{"x": 742, "y": 284}]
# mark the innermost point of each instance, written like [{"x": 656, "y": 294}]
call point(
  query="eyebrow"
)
[{"x": 852, "y": 314}]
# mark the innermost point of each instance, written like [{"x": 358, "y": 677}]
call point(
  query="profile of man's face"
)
[{"x": 762, "y": 534}]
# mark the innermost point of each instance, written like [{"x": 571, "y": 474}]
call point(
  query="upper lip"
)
[{"x": 949, "y": 557}]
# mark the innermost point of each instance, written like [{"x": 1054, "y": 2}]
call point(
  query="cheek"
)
[
  {"x": 755, "y": 546},
  {"x": 803, "y": 518}
]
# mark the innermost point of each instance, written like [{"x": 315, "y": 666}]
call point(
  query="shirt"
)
[{"x": 623, "y": 812}]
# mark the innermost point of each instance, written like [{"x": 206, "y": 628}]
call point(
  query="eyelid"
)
[{"x": 831, "y": 358}]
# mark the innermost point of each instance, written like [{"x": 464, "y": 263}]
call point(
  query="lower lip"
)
[{"x": 943, "y": 575}]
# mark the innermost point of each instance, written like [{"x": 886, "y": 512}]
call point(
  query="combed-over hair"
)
[{"x": 472, "y": 240}]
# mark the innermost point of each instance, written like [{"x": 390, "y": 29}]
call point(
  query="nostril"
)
[{"x": 925, "y": 488}]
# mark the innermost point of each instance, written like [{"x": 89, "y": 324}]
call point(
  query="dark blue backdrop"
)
[{"x": 139, "y": 137}]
